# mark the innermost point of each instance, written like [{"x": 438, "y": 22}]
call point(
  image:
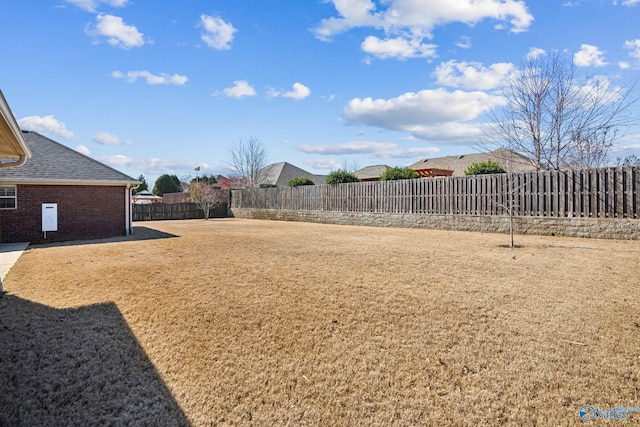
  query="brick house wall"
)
[{"x": 84, "y": 212}]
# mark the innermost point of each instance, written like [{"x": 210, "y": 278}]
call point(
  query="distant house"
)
[
  {"x": 509, "y": 160},
  {"x": 145, "y": 197},
  {"x": 371, "y": 173},
  {"x": 60, "y": 194},
  {"x": 280, "y": 174},
  {"x": 433, "y": 172}
]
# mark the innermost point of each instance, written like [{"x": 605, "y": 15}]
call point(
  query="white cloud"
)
[
  {"x": 535, "y": 52},
  {"x": 326, "y": 164},
  {"x": 152, "y": 79},
  {"x": 419, "y": 18},
  {"x": 589, "y": 56},
  {"x": 428, "y": 114},
  {"x": 92, "y": 5},
  {"x": 152, "y": 165},
  {"x": 47, "y": 125},
  {"x": 634, "y": 48},
  {"x": 630, "y": 2},
  {"x": 408, "y": 153},
  {"x": 352, "y": 147},
  {"x": 106, "y": 138},
  {"x": 82, "y": 149},
  {"x": 239, "y": 90},
  {"x": 217, "y": 33},
  {"x": 602, "y": 88},
  {"x": 627, "y": 142},
  {"x": 453, "y": 133},
  {"x": 464, "y": 42},
  {"x": 624, "y": 65},
  {"x": 383, "y": 150},
  {"x": 473, "y": 75},
  {"x": 399, "y": 48},
  {"x": 353, "y": 13},
  {"x": 299, "y": 92},
  {"x": 116, "y": 160},
  {"x": 118, "y": 33}
]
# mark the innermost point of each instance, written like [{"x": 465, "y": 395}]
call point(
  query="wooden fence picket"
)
[{"x": 596, "y": 193}]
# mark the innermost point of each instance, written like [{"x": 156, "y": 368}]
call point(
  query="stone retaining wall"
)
[{"x": 600, "y": 228}]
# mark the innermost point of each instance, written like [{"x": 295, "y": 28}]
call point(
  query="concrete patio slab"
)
[{"x": 9, "y": 254}]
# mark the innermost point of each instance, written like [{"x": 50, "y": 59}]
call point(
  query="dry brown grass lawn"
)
[{"x": 276, "y": 323}]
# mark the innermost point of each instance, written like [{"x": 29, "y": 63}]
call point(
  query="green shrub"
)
[
  {"x": 300, "y": 180},
  {"x": 267, "y": 185},
  {"x": 341, "y": 177},
  {"x": 483, "y": 168},
  {"x": 393, "y": 174}
]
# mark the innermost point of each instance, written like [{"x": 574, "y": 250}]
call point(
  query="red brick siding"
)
[{"x": 84, "y": 212}]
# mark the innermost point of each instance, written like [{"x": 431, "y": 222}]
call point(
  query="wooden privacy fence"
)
[
  {"x": 166, "y": 211},
  {"x": 595, "y": 193}
]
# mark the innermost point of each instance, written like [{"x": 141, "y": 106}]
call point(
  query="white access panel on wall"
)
[{"x": 49, "y": 217}]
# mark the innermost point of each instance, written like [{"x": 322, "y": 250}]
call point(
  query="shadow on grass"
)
[
  {"x": 80, "y": 366},
  {"x": 138, "y": 233}
]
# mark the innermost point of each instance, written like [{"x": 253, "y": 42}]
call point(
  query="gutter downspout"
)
[
  {"x": 21, "y": 161},
  {"x": 128, "y": 197}
]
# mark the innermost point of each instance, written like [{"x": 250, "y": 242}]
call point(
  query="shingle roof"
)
[
  {"x": 52, "y": 162},
  {"x": 281, "y": 173},
  {"x": 371, "y": 172},
  {"x": 509, "y": 160}
]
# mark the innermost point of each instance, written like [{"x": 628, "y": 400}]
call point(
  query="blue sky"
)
[{"x": 154, "y": 87}]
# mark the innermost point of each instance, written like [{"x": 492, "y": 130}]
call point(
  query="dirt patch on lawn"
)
[{"x": 279, "y": 323}]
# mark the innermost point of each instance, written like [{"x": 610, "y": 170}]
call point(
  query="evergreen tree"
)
[
  {"x": 167, "y": 184},
  {"x": 143, "y": 185},
  {"x": 393, "y": 174}
]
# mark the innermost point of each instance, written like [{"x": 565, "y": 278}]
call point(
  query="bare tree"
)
[
  {"x": 558, "y": 120},
  {"x": 631, "y": 160},
  {"x": 184, "y": 182},
  {"x": 247, "y": 158},
  {"x": 206, "y": 196}
]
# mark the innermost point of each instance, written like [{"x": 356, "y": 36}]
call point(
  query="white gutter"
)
[
  {"x": 16, "y": 141},
  {"x": 21, "y": 161}
]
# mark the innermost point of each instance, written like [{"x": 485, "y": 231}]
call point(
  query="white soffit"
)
[{"x": 12, "y": 142}]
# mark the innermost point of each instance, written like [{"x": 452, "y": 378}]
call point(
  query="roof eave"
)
[
  {"x": 35, "y": 181},
  {"x": 16, "y": 143}
]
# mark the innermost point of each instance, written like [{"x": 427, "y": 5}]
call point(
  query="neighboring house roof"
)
[
  {"x": 509, "y": 160},
  {"x": 281, "y": 173},
  {"x": 54, "y": 163},
  {"x": 12, "y": 142},
  {"x": 371, "y": 173},
  {"x": 146, "y": 194},
  {"x": 145, "y": 197}
]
